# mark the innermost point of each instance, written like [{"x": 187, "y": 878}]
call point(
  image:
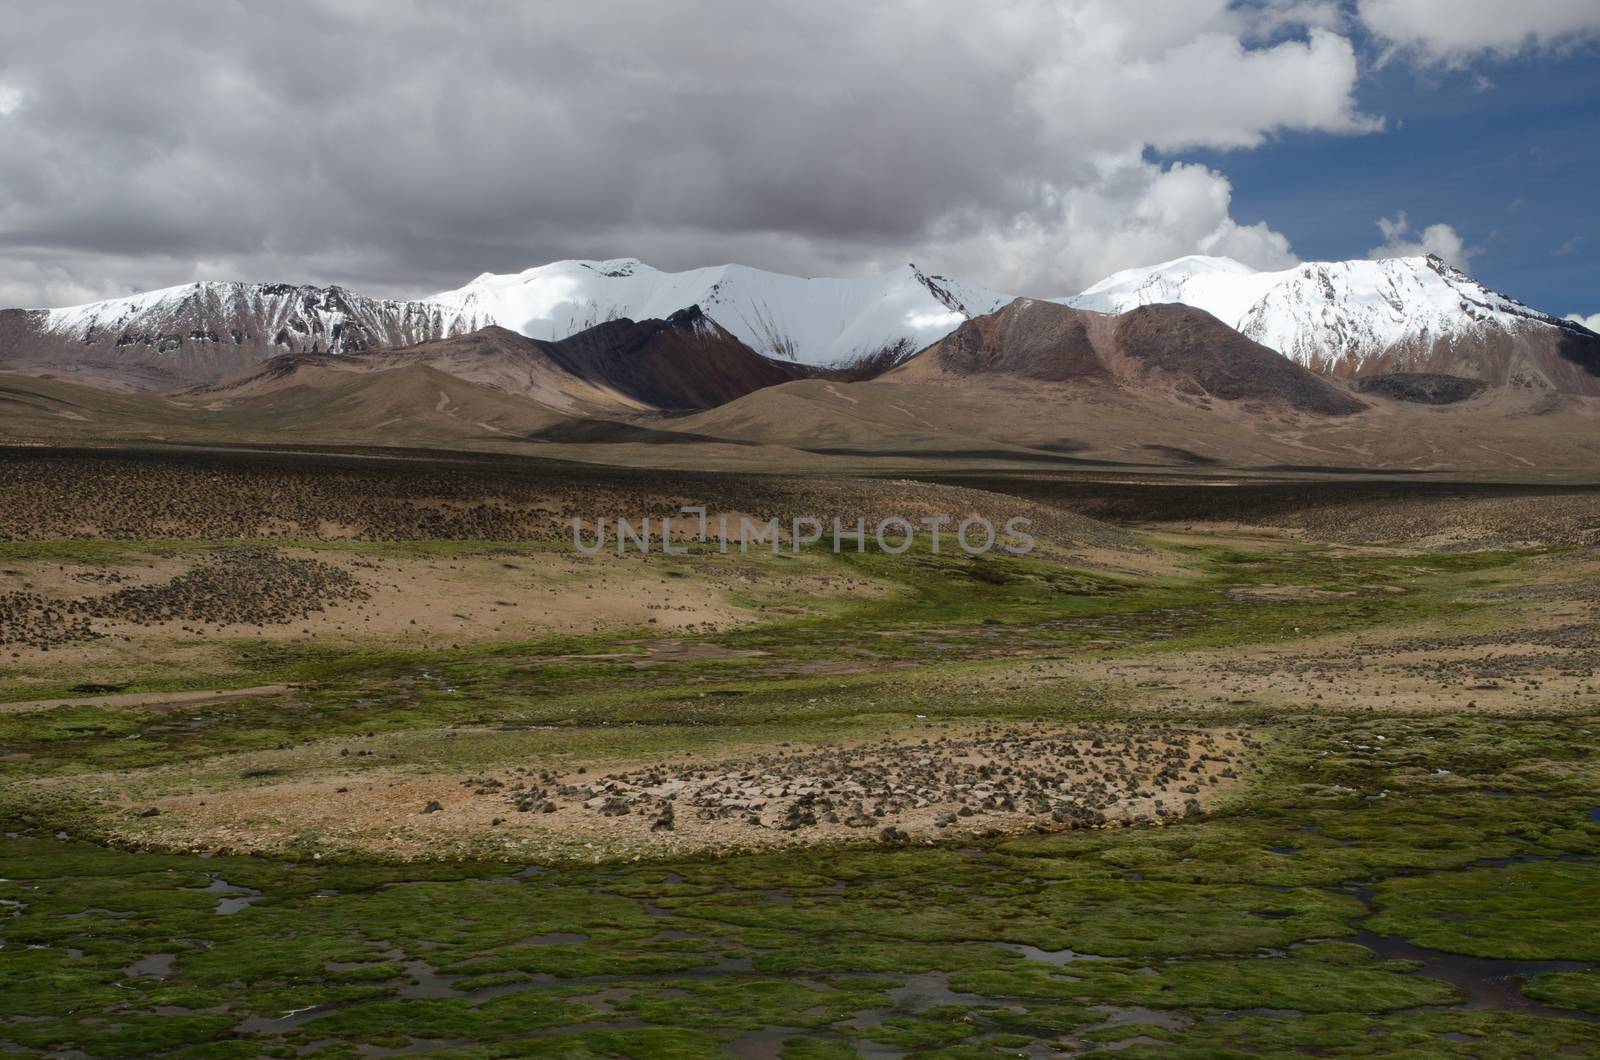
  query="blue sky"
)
[{"x": 1507, "y": 152}]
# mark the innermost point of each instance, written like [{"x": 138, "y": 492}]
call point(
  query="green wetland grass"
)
[
  {"x": 1233, "y": 934},
  {"x": 1380, "y": 885}
]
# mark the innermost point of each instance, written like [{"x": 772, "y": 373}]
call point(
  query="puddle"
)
[
  {"x": 1129, "y": 1043},
  {"x": 1134, "y": 1016},
  {"x": 237, "y": 897},
  {"x": 929, "y": 990},
  {"x": 1131, "y": 1016},
  {"x": 158, "y": 965},
  {"x": 765, "y": 1044},
  {"x": 427, "y": 983},
  {"x": 1486, "y": 983},
  {"x": 1057, "y": 957},
  {"x": 918, "y": 994},
  {"x": 288, "y": 1021},
  {"x": 230, "y": 906}
]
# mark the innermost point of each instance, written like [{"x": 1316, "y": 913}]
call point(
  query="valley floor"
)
[{"x": 1285, "y": 784}]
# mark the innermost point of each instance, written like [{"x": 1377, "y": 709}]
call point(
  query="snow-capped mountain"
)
[
  {"x": 203, "y": 331},
  {"x": 1350, "y": 318},
  {"x": 1353, "y": 318},
  {"x": 300, "y": 319},
  {"x": 830, "y": 323}
]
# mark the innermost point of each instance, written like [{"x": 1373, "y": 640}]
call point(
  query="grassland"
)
[{"x": 1403, "y": 864}]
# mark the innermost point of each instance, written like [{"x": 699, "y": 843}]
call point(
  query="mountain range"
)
[
  {"x": 1349, "y": 319},
  {"x": 1401, "y": 364},
  {"x": 1362, "y": 318},
  {"x": 199, "y": 332}
]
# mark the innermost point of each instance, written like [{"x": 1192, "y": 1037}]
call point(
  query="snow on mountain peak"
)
[
  {"x": 1348, "y": 317},
  {"x": 218, "y": 326},
  {"x": 823, "y": 322},
  {"x": 1341, "y": 316}
]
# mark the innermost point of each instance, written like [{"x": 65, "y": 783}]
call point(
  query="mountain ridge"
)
[
  {"x": 1362, "y": 318},
  {"x": 1167, "y": 351},
  {"x": 685, "y": 363},
  {"x": 206, "y": 330},
  {"x": 1353, "y": 319},
  {"x": 822, "y": 322}
]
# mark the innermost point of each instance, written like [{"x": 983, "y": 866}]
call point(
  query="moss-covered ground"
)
[{"x": 1467, "y": 839}]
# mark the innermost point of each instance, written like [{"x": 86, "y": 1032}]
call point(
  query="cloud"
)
[
  {"x": 1401, "y": 241},
  {"x": 1131, "y": 212},
  {"x": 1454, "y": 31},
  {"x": 1592, "y": 321},
  {"x": 400, "y": 147}
]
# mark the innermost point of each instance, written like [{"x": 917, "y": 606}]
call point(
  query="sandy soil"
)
[
  {"x": 1542, "y": 653},
  {"x": 154, "y": 700},
  {"x": 937, "y": 780},
  {"x": 421, "y": 601}
]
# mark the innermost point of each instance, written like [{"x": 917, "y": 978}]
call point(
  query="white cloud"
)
[
  {"x": 32, "y": 284},
  {"x": 1401, "y": 241},
  {"x": 1592, "y": 321},
  {"x": 814, "y": 138},
  {"x": 1129, "y": 212},
  {"x": 1115, "y": 90},
  {"x": 10, "y": 100},
  {"x": 1454, "y": 31}
]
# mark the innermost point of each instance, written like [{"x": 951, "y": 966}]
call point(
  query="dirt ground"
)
[
  {"x": 1545, "y": 639},
  {"x": 400, "y": 602},
  {"x": 934, "y": 781}
]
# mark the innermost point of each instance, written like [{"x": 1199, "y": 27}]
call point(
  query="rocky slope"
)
[
  {"x": 1360, "y": 318},
  {"x": 205, "y": 331},
  {"x": 682, "y": 364},
  {"x": 1347, "y": 318},
  {"x": 1163, "y": 350}
]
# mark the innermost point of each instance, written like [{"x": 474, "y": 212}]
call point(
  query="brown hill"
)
[
  {"x": 406, "y": 405},
  {"x": 685, "y": 362},
  {"x": 1545, "y": 354},
  {"x": 682, "y": 364},
  {"x": 492, "y": 357},
  {"x": 1424, "y": 388},
  {"x": 1044, "y": 384},
  {"x": 1157, "y": 350}
]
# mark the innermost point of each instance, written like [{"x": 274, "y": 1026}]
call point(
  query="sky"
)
[{"x": 401, "y": 147}]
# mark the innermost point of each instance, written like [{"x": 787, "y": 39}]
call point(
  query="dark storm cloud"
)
[{"x": 404, "y": 147}]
